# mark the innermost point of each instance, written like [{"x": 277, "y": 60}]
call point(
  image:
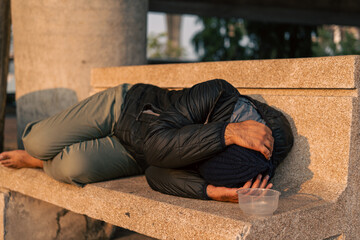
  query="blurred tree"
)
[
  {"x": 350, "y": 45},
  {"x": 219, "y": 39},
  {"x": 232, "y": 38},
  {"x": 275, "y": 40},
  {"x": 173, "y": 25},
  {"x": 326, "y": 45}
]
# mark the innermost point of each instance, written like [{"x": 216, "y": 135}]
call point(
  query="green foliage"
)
[
  {"x": 219, "y": 40},
  {"x": 325, "y": 46},
  {"x": 350, "y": 45},
  {"x": 159, "y": 47},
  {"x": 233, "y": 39},
  {"x": 272, "y": 40}
]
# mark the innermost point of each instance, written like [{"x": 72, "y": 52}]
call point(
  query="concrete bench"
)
[{"x": 319, "y": 180}]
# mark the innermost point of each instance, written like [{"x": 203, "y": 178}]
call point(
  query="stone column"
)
[
  {"x": 57, "y": 43},
  {"x": 5, "y": 23}
]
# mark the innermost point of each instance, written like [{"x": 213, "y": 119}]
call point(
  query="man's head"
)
[{"x": 234, "y": 166}]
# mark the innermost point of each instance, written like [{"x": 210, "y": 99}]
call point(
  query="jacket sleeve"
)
[
  {"x": 181, "y": 135},
  {"x": 178, "y": 182}
]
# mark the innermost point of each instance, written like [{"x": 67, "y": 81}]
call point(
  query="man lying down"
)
[{"x": 201, "y": 142}]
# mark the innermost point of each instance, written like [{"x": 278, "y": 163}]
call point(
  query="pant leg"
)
[
  {"x": 89, "y": 119},
  {"x": 77, "y": 145},
  {"x": 92, "y": 161}
]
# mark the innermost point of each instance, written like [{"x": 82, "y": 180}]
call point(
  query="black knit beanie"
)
[{"x": 234, "y": 167}]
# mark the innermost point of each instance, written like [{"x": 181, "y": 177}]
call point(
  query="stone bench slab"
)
[
  {"x": 318, "y": 180},
  {"x": 131, "y": 204}
]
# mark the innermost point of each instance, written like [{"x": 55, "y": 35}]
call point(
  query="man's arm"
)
[
  {"x": 182, "y": 135},
  {"x": 225, "y": 194},
  {"x": 188, "y": 183},
  {"x": 250, "y": 134},
  {"x": 188, "y": 132},
  {"x": 178, "y": 182},
  {"x": 174, "y": 147}
]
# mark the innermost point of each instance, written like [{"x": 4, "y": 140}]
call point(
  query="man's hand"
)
[
  {"x": 225, "y": 194},
  {"x": 250, "y": 134}
]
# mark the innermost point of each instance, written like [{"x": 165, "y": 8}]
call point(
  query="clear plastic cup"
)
[{"x": 258, "y": 201}]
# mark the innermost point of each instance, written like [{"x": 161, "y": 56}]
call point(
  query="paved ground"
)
[{"x": 11, "y": 144}]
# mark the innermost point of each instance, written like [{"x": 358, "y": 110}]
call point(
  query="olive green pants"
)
[{"x": 78, "y": 146}]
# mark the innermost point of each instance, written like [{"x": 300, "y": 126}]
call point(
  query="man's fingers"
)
[
  {"x": 265, "y": 146},
  {"x": 260, "y": 183},
  {"x": 256, "y": 184},
  {"x": 267, "y": 130},
  {"x": 266, "y": 152},
  {"x": 251, "y": 134},
  {"x": 269, "y": 143},
  {"x": 268, "y": 140},
  {"x": 264, "y": 181},
  {"x": 248, "y": 184}
]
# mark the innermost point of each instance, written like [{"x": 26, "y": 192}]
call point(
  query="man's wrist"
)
[
  {"x": 228, "y": 134},
  {"x": 216, "y": 193},
  {"x": 211, "y": 192},
  {"x": 222, "y": 194}
]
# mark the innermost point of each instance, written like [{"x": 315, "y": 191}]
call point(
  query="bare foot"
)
[{"x": 19, "y": 159}]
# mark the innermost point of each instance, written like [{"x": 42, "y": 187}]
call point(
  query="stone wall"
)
[{"x": 23, "y": 217}]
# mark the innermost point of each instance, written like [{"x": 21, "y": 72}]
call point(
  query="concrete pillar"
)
[
  {"x": 5, "y": 23},
  {"x": 57, "y": 43}
]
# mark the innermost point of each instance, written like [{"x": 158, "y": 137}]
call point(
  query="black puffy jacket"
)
[{"x": 173, "y": 130}]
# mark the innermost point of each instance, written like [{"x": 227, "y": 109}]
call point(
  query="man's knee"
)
[
  {"x": 35, "y": 142},
  {"x": 69, "y": 167}
]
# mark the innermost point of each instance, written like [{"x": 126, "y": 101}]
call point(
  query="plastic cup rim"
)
[{"x": 261, "y": 189}]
